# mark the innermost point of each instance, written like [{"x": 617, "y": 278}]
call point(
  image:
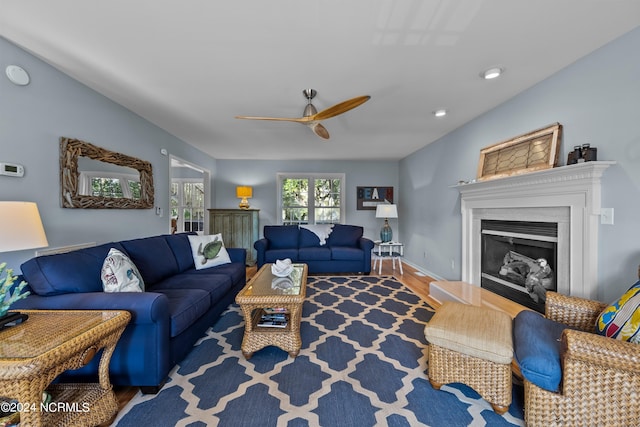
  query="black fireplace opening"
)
[{"x": 518, "y": 260}]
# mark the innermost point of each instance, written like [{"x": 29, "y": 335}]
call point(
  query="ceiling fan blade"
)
[
  {"x": 319, "y": 130},
  {"x": 280, "y": 119},
  {"x": 340, "y": 108}
]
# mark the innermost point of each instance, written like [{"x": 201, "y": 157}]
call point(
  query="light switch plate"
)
[{"x": 606, "y": 216}]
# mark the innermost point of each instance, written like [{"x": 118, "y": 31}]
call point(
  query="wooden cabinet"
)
[{"x": 239, "y": 228}]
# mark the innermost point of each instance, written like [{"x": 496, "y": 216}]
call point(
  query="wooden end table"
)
[
  {"x": 266, "y": 291},
  {"x": 49, "y": 342}
]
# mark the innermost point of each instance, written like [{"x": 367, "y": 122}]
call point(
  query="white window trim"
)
[
  {"x": 181, "y": 205},
  {"x": 311, "y": 176}
]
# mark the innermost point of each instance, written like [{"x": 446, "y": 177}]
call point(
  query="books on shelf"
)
[
  {"x": 274, "y": 310},
  {"x": 273, "y": 320}
]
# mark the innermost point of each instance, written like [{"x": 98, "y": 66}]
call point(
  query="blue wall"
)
[
  {"x": 34, "y": 117},
  {"x": 597, "y": 100},
  {"x": 261, "y": 175}
]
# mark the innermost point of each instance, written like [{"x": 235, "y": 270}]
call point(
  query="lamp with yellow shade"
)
[{"x": 244, "y": 193}]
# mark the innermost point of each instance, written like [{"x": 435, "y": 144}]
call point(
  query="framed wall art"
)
[
  {"x": 370, "y": 197},
  {"x": 530, "y": 152}
]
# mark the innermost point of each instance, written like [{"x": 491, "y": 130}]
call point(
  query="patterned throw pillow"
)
[
  {"x": 119, "y": 273},
  {"x": 208, "y": 251},
  {"x": 621, "y": 320}
]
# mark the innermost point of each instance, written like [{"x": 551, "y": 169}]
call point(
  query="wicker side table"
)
[
  {"x": 34, "y": 353},
  {"x": 265, "y": 290}
]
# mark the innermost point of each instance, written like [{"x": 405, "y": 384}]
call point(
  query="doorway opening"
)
[{"x": 189, "y": 196}]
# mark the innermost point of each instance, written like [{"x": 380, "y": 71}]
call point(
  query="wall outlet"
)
[
  {"x": 606, "y": 216},
  {"x": 453, "y": 264},
  {"x": 159, "y": 211},
  {"x": 425, "y": 254}
]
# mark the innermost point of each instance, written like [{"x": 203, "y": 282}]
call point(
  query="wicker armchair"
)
[{"x": 600, "y": 375}]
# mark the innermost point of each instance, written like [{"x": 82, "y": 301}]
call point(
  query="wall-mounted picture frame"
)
[
  {"x": 370, "y": 197},
  {"x": 536, "y": 150}
]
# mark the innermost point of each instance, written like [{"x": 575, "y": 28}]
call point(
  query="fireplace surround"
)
[{"x": 568, "y": 196}]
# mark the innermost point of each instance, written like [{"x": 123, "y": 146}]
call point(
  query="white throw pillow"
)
[
  {"x": 119, "y": 273},
  {"x": 208, "y": 251}
]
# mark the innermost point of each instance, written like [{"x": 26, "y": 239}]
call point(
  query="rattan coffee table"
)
[
  {"x": 34, "y": 353},
  {"x": 266, "y": 291}
]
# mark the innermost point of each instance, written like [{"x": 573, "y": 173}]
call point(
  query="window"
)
[
  {"x": 310, "y": 198},
  {"x": 109, "y": 184},
  {"x": 187, "y": 205}
]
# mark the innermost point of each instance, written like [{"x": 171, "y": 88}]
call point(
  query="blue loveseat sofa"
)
[
  {"x": 344, "y": 251},
  {"x": 177, "y": 307}
]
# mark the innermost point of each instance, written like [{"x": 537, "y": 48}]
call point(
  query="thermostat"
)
[{"x": 11, "y": 169}]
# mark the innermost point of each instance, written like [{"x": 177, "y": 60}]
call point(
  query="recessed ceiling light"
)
[
  {"x": 440, "y": 113},
  {"x": 492, "y": 73}
]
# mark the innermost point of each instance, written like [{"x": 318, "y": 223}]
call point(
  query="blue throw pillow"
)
[
  {"x": 536, "y": 347},
  {"x": 281, "y": 236},
  {"x": 345, "y": 235}
]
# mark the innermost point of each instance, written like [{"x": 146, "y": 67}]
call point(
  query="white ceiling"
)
[{"x": 190, "y": 66}]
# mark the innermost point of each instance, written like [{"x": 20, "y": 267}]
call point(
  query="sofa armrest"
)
[
  {"x": 365, "y": 244},
  {"x": 576, "y": 312},
  {"x": 261, "y": 247},
  {"x": 580, "y": 347},
  {"x": 237, "y": 255},
  {"x": 145, "y": 307}
]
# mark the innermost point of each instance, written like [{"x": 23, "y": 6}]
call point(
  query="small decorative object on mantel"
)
[
  {"x": 581, "y": 154},
  {"x": 530, "y": 152}
]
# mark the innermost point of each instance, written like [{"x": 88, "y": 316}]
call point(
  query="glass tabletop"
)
[{"x": 266, "y": 283}]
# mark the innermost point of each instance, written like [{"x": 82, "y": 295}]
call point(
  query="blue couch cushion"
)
[
  {"x": 347, "y": 253},
  {"x": 216, "y": 285},
  {"x": 236, "y": 271},
  {"x": 153, "y": 257},
  {"x": 185, "y": 307},
  {"x": 76, "y": 271},
  {"x": 345, "y": 235},
  {"x": 308, "y": 239},
  {"x": 275, "y": 254},
  {"x": 314, "y": 254},
  {"x": 536, "y": 342},
  {"x": 179, "y": 244},
  {"x": 281, "y": 236}
]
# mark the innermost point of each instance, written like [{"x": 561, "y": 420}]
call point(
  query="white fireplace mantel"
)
[{"x": 568, "y": 195}]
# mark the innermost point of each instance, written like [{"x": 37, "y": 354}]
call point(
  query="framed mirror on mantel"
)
[{"x": 115, "y": 181}]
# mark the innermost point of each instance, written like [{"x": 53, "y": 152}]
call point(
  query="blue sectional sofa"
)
[
  {"x": 344, "y": 251},
  {"x": 178, "y": 305}
]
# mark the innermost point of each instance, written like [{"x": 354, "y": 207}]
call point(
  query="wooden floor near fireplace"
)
[{"x": 470, "y": 294}]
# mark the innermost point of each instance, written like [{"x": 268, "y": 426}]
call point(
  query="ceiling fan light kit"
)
[{"x": 312, "y": 118}]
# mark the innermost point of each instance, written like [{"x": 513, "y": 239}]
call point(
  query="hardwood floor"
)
[{"x": 411, "y": 278}]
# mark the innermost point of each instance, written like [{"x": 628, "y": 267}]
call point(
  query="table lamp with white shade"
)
[
  {"x": 20, "y": 228},
  {"x": 386, "y": 211}
]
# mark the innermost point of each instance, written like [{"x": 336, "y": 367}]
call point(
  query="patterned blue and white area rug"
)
[{"x": 363, "y": 362}]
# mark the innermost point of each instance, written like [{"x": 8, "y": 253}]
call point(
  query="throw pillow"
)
[
  {"x": 208, "y": 251},
  {"x": 119, "y": 273},
  {"x": 621, "y": 319}
]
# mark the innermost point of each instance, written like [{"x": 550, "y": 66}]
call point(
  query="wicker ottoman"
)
[{"x": 472, "y": 345}]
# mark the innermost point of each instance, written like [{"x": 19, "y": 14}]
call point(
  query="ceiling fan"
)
[{"x": 312, "y": 118}]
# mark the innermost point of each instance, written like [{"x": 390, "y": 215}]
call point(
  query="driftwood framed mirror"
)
[{"x": 114, "y": 181}]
